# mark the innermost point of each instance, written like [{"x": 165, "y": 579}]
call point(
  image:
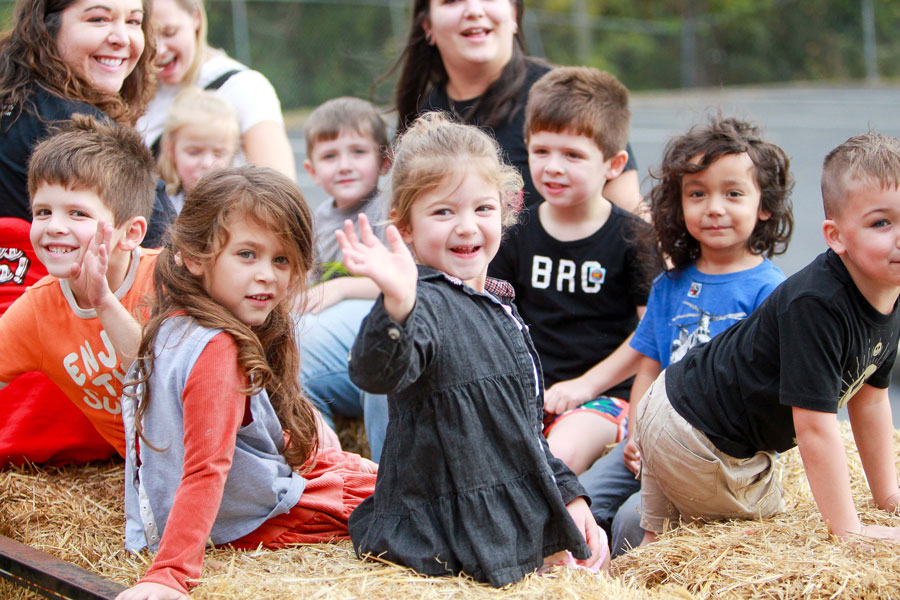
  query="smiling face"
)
[
  {"x": 197, "y": 150},
  {"x": 251, "y": 274},
  {"x": 456, "y": 227},
  {"x": 866, "y": 235},
  {"x": 721, "y": 206},
  {"x": 347, "y": 167},
  {"x": 101, "y": 40},
  {"x": 176, "y": 42},
  {"x": 471, "y": 33},
  {"x": 567, "y": 169}
]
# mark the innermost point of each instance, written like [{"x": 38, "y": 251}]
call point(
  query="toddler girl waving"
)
[
  {"x": 221, "y": 443},
  {"x": 467, "y": 482}
]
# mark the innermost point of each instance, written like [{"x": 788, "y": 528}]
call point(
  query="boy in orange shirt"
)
[{"x": 92, "y": 189}]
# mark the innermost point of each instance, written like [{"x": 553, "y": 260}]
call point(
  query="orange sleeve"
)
[
  {"x": 213, "y": 411},
  {"x": 19, "y": 339}
]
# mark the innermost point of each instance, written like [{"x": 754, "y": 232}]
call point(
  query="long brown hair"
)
[
  {"x": 422, "y": 70},
  {"x": 267, "y": 353},
  {"x": 29, "y": 56}
]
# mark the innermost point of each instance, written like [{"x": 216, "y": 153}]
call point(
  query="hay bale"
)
[{"x": 76, "y": 514}]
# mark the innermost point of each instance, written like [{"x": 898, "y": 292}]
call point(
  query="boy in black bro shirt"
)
[{"x": 710, "y": 426}]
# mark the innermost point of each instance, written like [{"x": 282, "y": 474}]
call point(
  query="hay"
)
[{"x": 75, "y": 514}]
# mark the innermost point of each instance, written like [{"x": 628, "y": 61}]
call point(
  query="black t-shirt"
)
[
  {"x": 510, "y": 135},
  {"x": 579, "y": 298},
  {"x": 812, "y": 344},
  {"x": 18, "y": 139}
]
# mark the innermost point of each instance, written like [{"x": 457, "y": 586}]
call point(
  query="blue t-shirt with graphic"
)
[{"x": 687, "y": 308}]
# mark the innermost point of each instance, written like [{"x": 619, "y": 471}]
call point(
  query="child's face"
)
[
  {"x": 198, "y": 150},
  {"x": 866, "y": 234},
  {"x": 456, "y": 228},
  {"x": 64, "y": 221},
  {"x": 721, "y": 205},
  {"x": 347, "y": 167},
  {"x": 569, "y": 169},
  {"x": 251, "y": 274}
]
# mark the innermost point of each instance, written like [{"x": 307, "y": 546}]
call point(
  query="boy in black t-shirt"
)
[
  {"x": 572, "y": 259},
  {"x": 710, "y": 427}
]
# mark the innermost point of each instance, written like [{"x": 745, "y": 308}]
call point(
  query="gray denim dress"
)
[{"x": 466, "y": 482}]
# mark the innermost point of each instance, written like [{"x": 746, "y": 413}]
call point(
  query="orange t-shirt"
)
[{"x": 45, "y": 330}]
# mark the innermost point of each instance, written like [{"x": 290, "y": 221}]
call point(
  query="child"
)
[
  {"x": 217, "y": 417},
  {"x": 466, "y": 482},
  {"x": 92, "y": 188},
  {"x": 572, "y": 261},
  {"x": 347, "y": 146},
  {"x": 719, "y": 209},
  {"x": 710, "y": 426},
  {"x": 201, "y": 135}
]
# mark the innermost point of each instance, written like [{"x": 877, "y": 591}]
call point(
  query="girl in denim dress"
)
[{"x": 466, "y": 481}]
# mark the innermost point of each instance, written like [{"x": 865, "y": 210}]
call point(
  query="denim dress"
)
[{"x": 466, "y": 482}]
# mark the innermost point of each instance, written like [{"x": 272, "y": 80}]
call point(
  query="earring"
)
[{"x": 429, "y": 40}]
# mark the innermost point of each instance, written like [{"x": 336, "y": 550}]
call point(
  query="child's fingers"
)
[
  {"x": 395, "y": 240},
  {"x": 350, "y": 232},
  {"x": 594, "y": 541}
]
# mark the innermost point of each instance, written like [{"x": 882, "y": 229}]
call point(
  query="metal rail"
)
[{"x": 51, "y": 577}]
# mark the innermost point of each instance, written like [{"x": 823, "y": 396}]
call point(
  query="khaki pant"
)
[{"x": 683, "y": 475}]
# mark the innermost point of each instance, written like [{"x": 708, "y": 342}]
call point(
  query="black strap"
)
[{"x": 212, "y": 85}]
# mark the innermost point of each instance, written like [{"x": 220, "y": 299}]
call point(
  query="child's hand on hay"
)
[
  {"x": 584, "y": 520},
  {"x": 880, "y": 532},
  {"x": 151, "y": 591}
]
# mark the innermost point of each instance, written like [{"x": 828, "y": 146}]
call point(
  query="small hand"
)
[
  {"x": 393, "y": 270},
  {"x": 584, "y": 520},
  {"x": 90, "y": 274},
  {"x": 566, "y": 395},
  {"x": 881, "y": 532},
  {"x": 151, "y": 591},
  {"x": 367, "y": 466},
  {"x": 632, "y": 456}
]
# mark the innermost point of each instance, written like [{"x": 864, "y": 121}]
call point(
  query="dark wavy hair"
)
[
  {"x": 422, "y": 70},
  {"x": 267, "y": 353},
  {"x": 29, "y": 56},
  {"x": 720, "y": 137}
]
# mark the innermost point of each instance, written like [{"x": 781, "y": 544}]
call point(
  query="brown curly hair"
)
[
  {"x": 29, "y": 56},
  {"x": 267, "y": 353},
  {"x": 721, "y": 136}
]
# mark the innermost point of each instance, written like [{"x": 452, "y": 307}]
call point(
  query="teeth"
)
[
  {"x": 58, "y": 250},
  {"x": 111, "y": 62},
  {"x": 166, "y": 62}
]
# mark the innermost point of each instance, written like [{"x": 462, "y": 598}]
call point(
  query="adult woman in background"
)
[
  {"x": 185, "y": 58},
  {"x": 467, "y": 58},
  {"x": 61, "y": 57}
]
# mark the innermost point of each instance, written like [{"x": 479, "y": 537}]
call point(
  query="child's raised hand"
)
[
  {"x": 584, "y": 520},
  {"x": 393, "y": 270},
  {"x": 151, "y": 591},
  {"x": 90, "y": 274}
]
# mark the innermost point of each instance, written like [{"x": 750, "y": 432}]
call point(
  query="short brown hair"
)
[
  {"x": 869, "y": 159},
  {"x": 99, "y": 155},
  {"x": 340, "y": 114},
  {"x": 582, "y": 100}
]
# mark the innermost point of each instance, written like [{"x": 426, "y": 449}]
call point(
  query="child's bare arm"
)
[
  {"x": 873, "y": 430},
  {"x": 647, "y": 372},
  {"x": 329, "y": 293},
  {"x": 122, "y": 328},
  {"x": 612, "y": 370},
  {"x": 151, "y": 591},
  {"x": 393, "y": 270},
  {"x": 825, "y": 462}
]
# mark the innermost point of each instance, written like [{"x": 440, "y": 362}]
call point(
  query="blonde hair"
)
[
  {"x": 192, "y": 7},
  {"x": 434, "y": 150},
  {"x": 870, "y": 159},
  {"x": 194, "y": 106},
  {"x": 267, "y": 353}
]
